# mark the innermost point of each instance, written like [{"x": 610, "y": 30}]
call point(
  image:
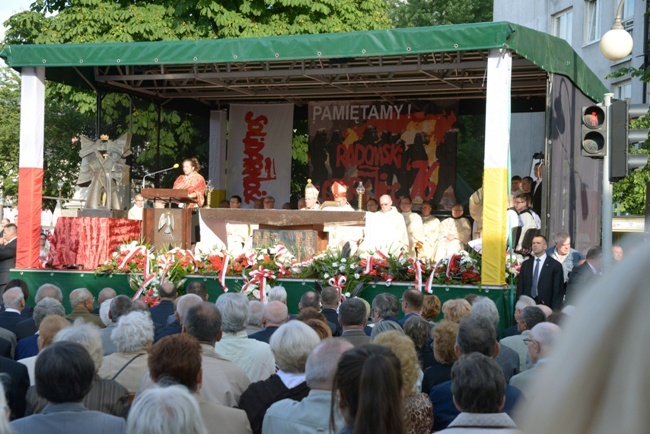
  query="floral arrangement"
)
[{"x": 260, "y": 266}]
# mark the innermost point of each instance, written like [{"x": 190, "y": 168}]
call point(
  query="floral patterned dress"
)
[{"x": 193, "y": 183}]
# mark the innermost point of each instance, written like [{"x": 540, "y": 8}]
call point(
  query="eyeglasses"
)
[{"x": 527, "y": 341}]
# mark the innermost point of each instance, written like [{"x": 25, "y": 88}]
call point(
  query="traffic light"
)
[
  {"x": 621, "y": 162},
  {"x": 594, "y": 131}
]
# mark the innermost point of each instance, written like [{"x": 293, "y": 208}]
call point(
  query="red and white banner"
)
[
  {"x": 259, "y": 152},
  {"x": 30, "y": 172}
]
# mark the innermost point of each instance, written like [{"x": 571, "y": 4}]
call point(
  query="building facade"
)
[{"x": 582, "y": 23}]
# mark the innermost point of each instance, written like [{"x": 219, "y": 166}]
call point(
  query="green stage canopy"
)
[{"x": 426, "y": 62}]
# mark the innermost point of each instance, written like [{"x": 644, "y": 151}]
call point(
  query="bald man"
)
[
  {"x": 385, "y": 229},
  {"x": 275, "y": 314},
  {"x": 135, "y": 212}
]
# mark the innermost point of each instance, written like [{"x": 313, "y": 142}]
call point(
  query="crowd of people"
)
[{"x": 241, "y": 366}]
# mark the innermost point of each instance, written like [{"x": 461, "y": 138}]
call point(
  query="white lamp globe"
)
[{"x": 616, "y": 44}]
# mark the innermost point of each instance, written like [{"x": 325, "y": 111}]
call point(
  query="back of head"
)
[
  {"x": 162, "y": 410},
  {"x": 369, "y": 382},
  {"x": 444, "y": 340},
  {"x": 485, "y": 307},
  {"x": 291, "y": 345},
  {"x": 134, "y": 332},
  {"x": 86, "y": 335},
  {"x": 20, "y": 283},
  {"x": 120, "y": 305},
  {"x": 203, "y": 322},
  {"x": 594, "y": 253},
  {"x": 322, "y": 362},
  {"x": 255, "y": 313},
  {"x": 276, "y": 313},
  {"x": 321, "y": 328},
  {"x": 352, "y": 312},
  {"x": 532, "y": 315},
  {"x": 64, "y": 372},
  {"x": 310, "y": 299},
  {"x": 50, "y": 326},
  {"x": 330, "y": 296},
  {"x": 403, "y": 347},
  {"x": 277, "y": 293},
  {"x": 524, "y": 301},
  {"x": 308, "y": 313},
  {"x": 384, "y": 326},
  {"x": 413, "y": 299},
  {"x": 48, "y": 290},
  {"x": 106, "y": 294},
  {"x": 234, "y": 311},
  {"x": 478, "y": 384},
  {"x": 455, "y": 310},
  {"x": 198, "y": 288},
  {"x": 13, "y": 298},
  {"x": 385, "y": 305},
  {"x": 46, "y": 307},
  {"x": 104, "y": 309},
  {"x": 430, "y": 307},
  {"x": 184, "y": 303},
  {"x": 477, "y": 334},
  {"x": 177, "y": 359},
  {"x": 167, "y": 290},
  {"x": 419, "y": 330},
  {"x": 80, "y": 296}
]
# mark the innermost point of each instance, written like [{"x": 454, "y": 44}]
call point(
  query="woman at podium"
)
[{"x": 192, "y": 181}]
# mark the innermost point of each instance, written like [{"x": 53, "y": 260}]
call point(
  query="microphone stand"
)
[{"x": 175, "y": 166}]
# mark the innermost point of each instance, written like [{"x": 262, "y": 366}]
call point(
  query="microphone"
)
[{"x": 175, "y": 166}]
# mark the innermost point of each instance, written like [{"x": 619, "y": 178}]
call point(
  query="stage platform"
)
[{"x": 70, "y": 280}]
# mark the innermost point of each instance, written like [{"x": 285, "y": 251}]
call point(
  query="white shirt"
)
[{"x": 253, "y": 356}]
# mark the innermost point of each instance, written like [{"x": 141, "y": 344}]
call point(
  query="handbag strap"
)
[{"x": 125, "y": 365}]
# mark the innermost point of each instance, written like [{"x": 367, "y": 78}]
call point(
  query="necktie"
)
[{"x": 533, "y": 290}]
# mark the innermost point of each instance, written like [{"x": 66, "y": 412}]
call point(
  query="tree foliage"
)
[
  {"x": 97, "y": 21},
  {"x": 417, "y": 13},
  {"x": 9, "y": 130}
]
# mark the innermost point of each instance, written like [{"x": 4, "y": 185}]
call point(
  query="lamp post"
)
[{"x": 615, "y": 45}]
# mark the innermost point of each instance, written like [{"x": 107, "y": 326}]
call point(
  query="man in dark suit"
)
[
  {"x": 28, "y": 327},
  {"x": 14, "y": 304},
  {"x": 275, "y": 314},
  {"x": 352, "y": 317},
  {"x": 160, "y": 313},
  {"x": 412, "y": 300},
  {"x": 330, "y": 301},
  {"x": 542, "y": 277},
  {"x": 7, "y": 253},
  {"x": 583, "y": 274}
]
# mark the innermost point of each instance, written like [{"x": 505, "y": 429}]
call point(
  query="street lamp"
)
[{"x": 617, "y": 43}]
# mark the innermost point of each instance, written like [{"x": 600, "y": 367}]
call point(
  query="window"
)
[
  {"x": 563, "y": 25},
  {"x": 623, "y": 90},
  {"x": 592, "y": 21},
  {"x": 628, "y": 9}
]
